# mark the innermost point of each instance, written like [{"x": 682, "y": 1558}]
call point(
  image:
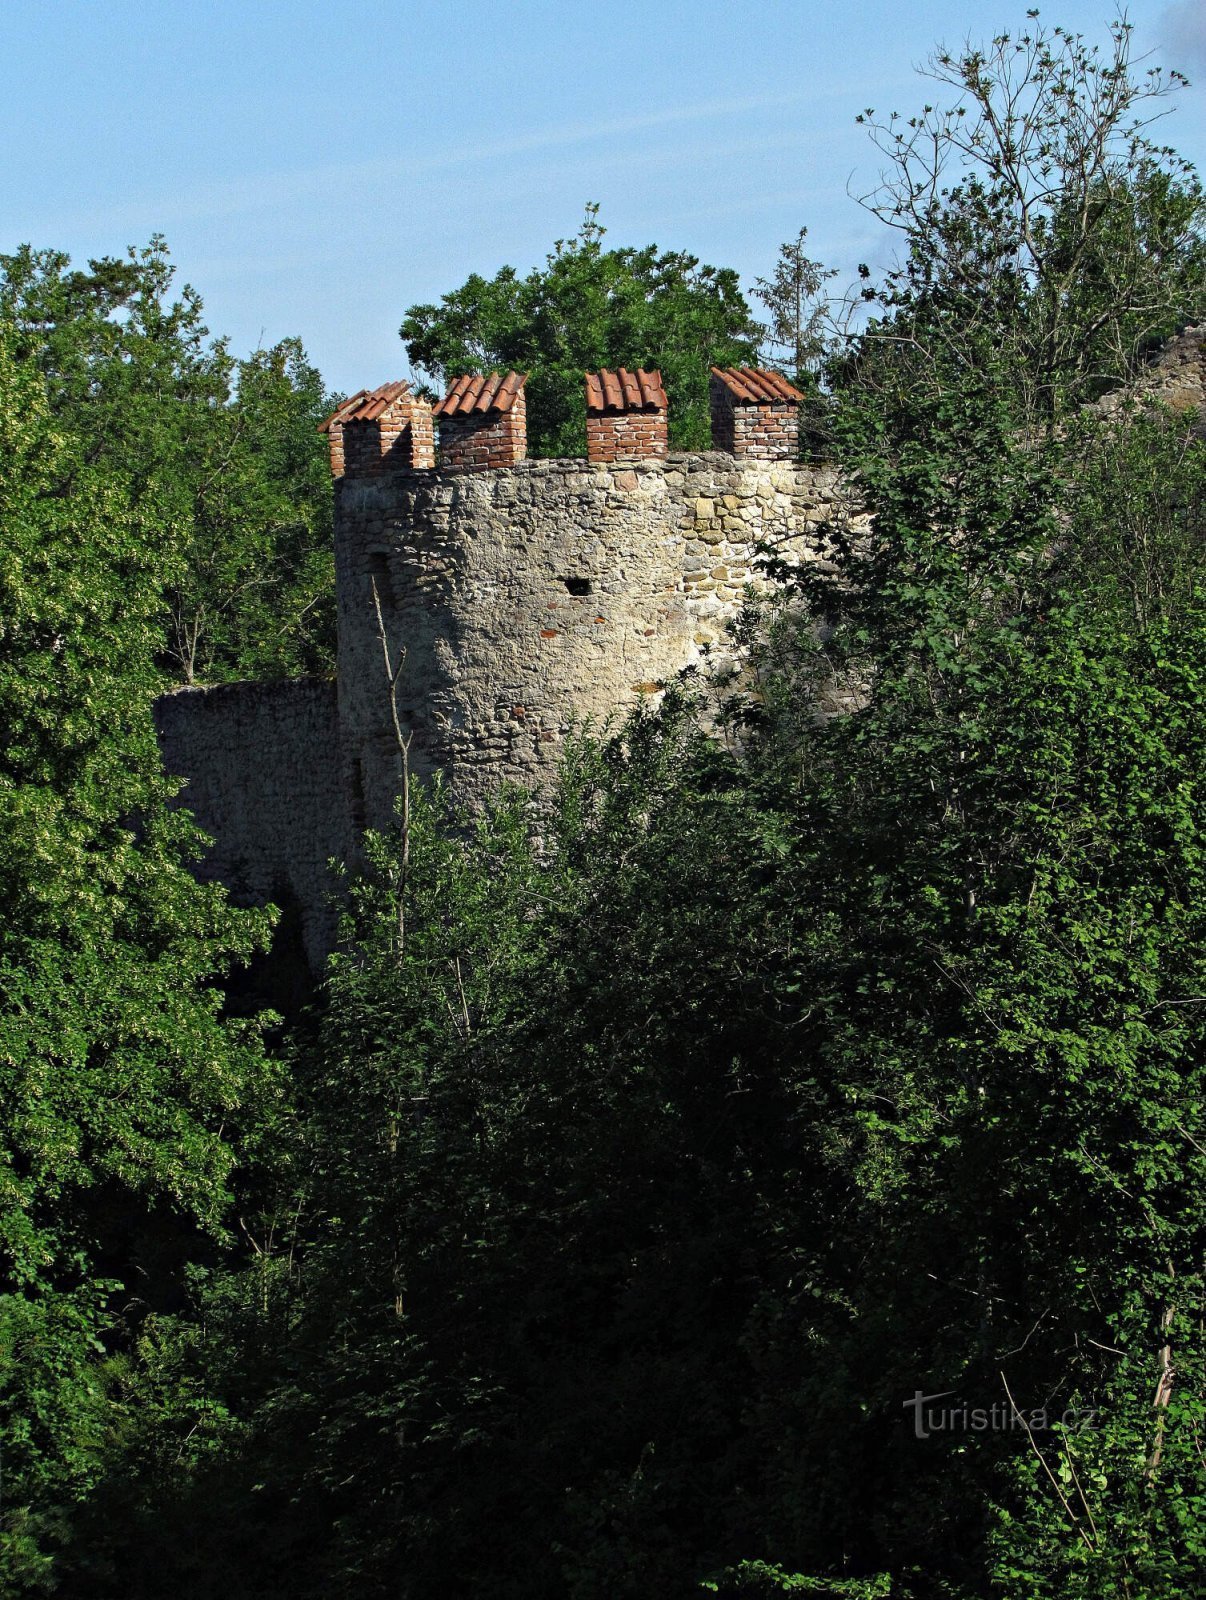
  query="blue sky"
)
[{"x": 317, "y": 169}]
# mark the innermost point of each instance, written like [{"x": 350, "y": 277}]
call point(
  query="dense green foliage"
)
[
  {"x": 122, "y": 1091},
  {"x": 662, "y": 1168},
  {"x": 219, "y": 457},
  {"x": 590, "y": 308}
]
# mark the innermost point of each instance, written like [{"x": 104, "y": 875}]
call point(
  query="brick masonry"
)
[
  {"x": 765, "y": 431},
  {"x": 485, "y": 441},
  {"x": 379, "y": 431},
  {"x": 626, "y": 436},
  {"x": 405, "y": 438}
]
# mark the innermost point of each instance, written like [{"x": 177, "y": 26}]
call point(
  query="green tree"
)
[
  {"x": 125, "y": 1096},
  {"x": 1039, "y": 219},
  {"x": 1008, "y": 879},
  {"x": 220, "y": 456},
  {"x": 798, "y": 332},
  {"x": 256, "y": 593},
  {"x": 588, "y": 308}
]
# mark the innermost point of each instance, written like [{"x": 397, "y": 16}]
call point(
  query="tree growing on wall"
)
[
  {"x": 590, "y": 307},
  {"x": 797, "y": 332}
]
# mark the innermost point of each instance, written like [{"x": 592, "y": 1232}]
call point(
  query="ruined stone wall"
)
[
  {"x": 536, "y": 597},
  {"x": 264, "y": 780},
  {"x": 528, "y": 600},
  {"x": 1176, "y": 378}
]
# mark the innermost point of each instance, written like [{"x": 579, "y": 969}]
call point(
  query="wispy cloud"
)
[
  {"x": 1182, "y": 30},
  {"x": 222, "y": 199},
  {"x": 601, "y": 140}
]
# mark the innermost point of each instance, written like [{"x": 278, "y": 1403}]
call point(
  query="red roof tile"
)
[
  {"x": 476, "y": 393},
  {"x": 625, "y": 391},
  {"x": 757, "y": 385},
  {"x": 366, "y": 404}
]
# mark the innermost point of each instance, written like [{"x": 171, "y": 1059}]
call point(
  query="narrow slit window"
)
[
  {"x": 380, "y": 575},
  {"x": 356, "y": 795}
]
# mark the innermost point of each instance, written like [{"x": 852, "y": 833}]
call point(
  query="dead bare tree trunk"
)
[
  {"x": 393, "y": 673},
  {"x": 1164, "y": 1388}
]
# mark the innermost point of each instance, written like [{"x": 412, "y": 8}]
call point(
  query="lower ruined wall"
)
[
  {"x": 1175, "y": 378},
  {"x": 534, "y": 598},
  {"x": 262, "y": 777}
]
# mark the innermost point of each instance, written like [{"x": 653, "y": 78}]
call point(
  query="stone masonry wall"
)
[
  {"x": 264, "y": 779},
  {"x": 533, "y": 598},
  {"x": 1176, "y": 378},
  {"x": 528, "y": 600}
]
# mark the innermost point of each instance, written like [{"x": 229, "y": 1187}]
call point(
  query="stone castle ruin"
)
[{"x": 530, "y": 596}]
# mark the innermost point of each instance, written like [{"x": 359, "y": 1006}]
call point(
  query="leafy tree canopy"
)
[
  {"x": 122, "y": 1091},
  {"x": 589, "y": 307},
  {"x": 219, "y": 456}
]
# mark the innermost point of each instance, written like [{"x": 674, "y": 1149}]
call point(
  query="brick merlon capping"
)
[
  {"x": 622, "y": 390},
  {"x": 755, "y": 413},
  {"x": 757, "y": 386},
  {"x": 483, "y": 422},
  {"x": 625, "y": 416},
  {"x": 475, "y": 393},
  {"x": 366, "y": 405},
  {"x": 378, "y": 429}
]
